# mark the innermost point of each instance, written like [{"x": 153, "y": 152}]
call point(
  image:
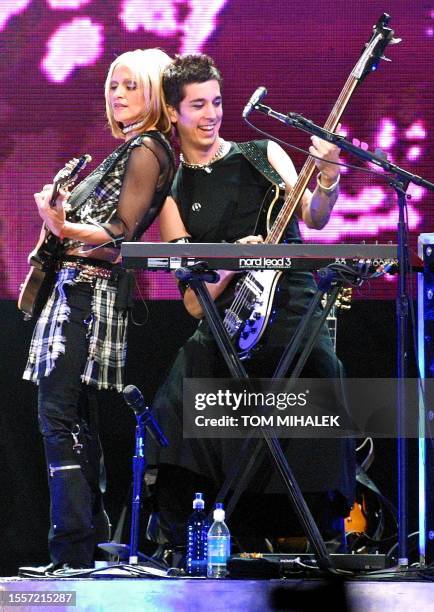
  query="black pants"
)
[
  {"x": 68, "y": 423},
  {"x": 323, "y": 468}
]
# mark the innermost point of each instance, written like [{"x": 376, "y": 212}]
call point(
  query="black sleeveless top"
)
[
  {"x": 118, "y": 195},
  {"x": 223, "y": 205}
]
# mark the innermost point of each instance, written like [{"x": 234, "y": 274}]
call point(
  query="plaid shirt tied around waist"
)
[{"x": 107, "y": 335}]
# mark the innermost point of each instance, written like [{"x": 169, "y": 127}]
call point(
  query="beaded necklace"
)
[{"x": 221, "y": 151}]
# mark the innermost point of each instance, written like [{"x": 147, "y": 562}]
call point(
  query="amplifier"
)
[{"x": 426, "y": 403}]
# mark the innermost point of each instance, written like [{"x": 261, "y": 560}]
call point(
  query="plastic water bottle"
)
[
  {"x": 219, "y": 545},
  {"x": 197, "y": 530}
]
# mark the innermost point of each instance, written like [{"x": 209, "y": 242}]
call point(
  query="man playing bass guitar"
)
[{"x": 215, "y": 197}]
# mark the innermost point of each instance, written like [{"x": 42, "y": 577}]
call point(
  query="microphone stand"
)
[
  {"x": 143, "y": 420},
  {"x": 400, "y": 182},
  {"x": 139, "y": 467}
]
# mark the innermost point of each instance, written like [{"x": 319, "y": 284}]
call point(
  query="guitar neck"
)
[
  {"x": 67, "y": 176},
  {"x": 332, "y": 325},
  {"x": 368, "y": 61},
  {"x": 276, "y": 232},
  {"x": 54, "y": 195}
]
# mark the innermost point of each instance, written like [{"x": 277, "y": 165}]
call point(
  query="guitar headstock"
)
[
  {"x": 68, "y": 174},
  {"x": 374, "y": 48},
  {"x": 343, "y": 300}
]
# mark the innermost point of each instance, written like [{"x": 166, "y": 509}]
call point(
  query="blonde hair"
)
[{"x": 147, "y": 67}]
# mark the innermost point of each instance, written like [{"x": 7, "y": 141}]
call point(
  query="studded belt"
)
[{"x": 88, "y": 269}]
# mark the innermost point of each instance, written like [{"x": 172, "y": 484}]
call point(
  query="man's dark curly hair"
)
[{"x": 186, "y": 69}]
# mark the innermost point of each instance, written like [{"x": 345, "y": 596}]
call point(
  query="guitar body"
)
[
  {"x": 36, "y": 288},
  {"x": 35, "y": 291},
  {"x": 251, "y": 311},
  {"x": 249, "y": 323},
  {"x": 357, "y": 520}
]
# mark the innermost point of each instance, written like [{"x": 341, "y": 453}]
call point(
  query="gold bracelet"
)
[{"x": 327, "y": 189}]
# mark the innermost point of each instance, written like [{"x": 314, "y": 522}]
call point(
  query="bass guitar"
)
[
  {"x": 35, "y": 289},
  {"x": 248, "y": 316}
]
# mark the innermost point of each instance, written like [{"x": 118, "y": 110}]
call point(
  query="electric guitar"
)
[
  {"x": 357, "y": 520},
  {"x": 342, "y": 302},
  {"x": 35, "y": 289},
  {"x": 247, "y": 317}
]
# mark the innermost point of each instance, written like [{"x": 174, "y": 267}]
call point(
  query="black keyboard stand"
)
[{"x": 196, "y": 276}]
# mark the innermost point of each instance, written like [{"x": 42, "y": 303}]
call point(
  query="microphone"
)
[
  {"x": 134, "y": 400},
  {"x": 255, "y": 98}
]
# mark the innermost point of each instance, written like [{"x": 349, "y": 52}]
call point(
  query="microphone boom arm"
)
[{"x": 306, "y": 125}]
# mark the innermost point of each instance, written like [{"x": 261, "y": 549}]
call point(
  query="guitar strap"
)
[
  {"x": 258, "y": 159},
  {"x": 254, "y": 154},
  {"x": 87, "y": 186}
]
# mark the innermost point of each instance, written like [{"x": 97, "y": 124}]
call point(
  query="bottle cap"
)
[
  {"x": 198, "y": 502},
  {"x": 219, "y": 513}
]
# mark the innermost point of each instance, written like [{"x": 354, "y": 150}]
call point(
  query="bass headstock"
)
[{"x": 373, "y": 51}]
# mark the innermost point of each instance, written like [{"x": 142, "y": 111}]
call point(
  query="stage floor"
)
[{"x": 132, "y": 595}]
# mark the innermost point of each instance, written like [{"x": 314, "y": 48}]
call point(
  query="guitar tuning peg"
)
[
  {"x": 386, "y": 59},
  {"x": 395, "y": 41}
]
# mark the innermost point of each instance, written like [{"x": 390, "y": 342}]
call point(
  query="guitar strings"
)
[{"x": 239, "y": 300}]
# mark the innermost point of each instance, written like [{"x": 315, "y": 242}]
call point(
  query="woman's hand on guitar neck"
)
[{"x": 53, "y": 216}]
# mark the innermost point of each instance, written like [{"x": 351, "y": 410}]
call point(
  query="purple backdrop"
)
[{"x": 56, "y": 54}]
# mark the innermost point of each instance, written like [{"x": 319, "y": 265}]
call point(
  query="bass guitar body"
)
[
  {"x": 249, "y": 322},
  {"x": 251, "y": 312}
]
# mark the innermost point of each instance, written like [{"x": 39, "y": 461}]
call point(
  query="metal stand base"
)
[{"x": 196, "y": 276}]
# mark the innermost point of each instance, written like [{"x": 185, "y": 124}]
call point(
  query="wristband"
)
[{"x": 327, "y": 189}]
